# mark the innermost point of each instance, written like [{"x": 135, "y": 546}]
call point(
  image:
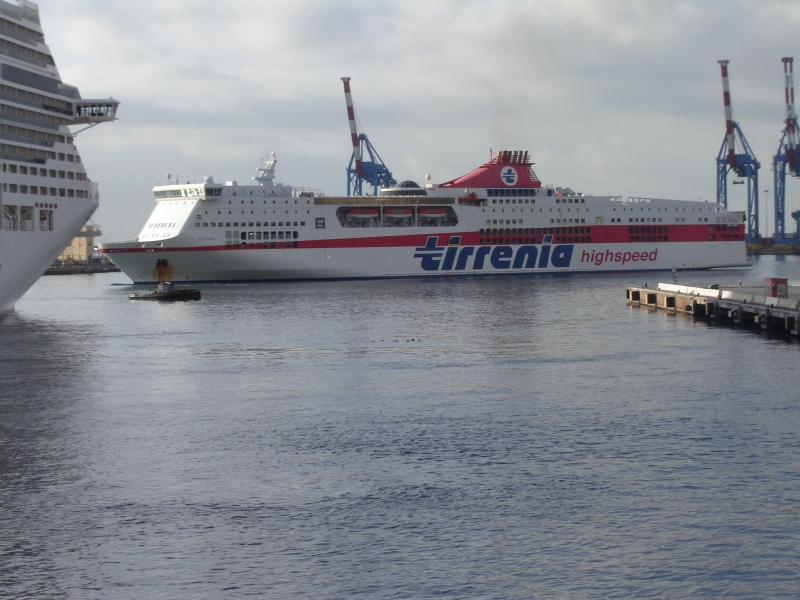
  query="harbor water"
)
[{"x": 517, "y": 437}]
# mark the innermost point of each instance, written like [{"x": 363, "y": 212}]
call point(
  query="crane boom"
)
[
  {"x": 726, "y": 98},
  {"x": 351, "y": 116}
]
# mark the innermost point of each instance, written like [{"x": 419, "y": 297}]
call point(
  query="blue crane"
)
[
  {"x": 373, "y": 171},
  {"x": 786, "y": 158},
  {"x": 736, "y": 155}
]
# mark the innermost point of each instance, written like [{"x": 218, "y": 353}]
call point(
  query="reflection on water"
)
[
  {"x": 509, "y": 437},
  {"x": 43, "y": 367}
]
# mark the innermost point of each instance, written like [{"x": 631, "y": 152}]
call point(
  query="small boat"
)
[
  {"x": 431, "y": 213},
  {"x": 167, "y": 292},
  {"x": 397, "y": 213},
  {"x": 361, "y": 214},
  {"x": 469, "y": 199}
]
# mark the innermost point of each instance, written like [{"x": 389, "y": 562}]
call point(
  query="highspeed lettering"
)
[
  {"x": 601, "y": 258},
  {"x": 456, "y": 258}
]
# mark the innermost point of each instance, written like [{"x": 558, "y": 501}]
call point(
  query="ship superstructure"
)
[
  {"x": 46, "y": 194},
  {"x": 498, "y": 219}
]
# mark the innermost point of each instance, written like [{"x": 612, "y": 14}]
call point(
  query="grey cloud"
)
[{"x": 617, "y": 95}]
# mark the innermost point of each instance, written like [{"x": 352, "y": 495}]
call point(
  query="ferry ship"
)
[
  {"x": 497, "y": 219},
  {"x": 46, "y": 196}
]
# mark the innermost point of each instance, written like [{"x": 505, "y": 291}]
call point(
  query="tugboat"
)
[{"x": 169, "y": 293}]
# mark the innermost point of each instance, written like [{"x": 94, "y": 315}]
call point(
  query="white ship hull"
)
[
  {"x": 46, "y": 196},
  {"x": 254, "y": 264},
  {"x": 26, "y": 255},
  {"x": 212, "y": 232}
]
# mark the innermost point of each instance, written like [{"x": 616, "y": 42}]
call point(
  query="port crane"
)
[
  {"x": 786, "y": 158},
  {"x": 736, "y": 155},
  {"x": 373, "y": 171}
]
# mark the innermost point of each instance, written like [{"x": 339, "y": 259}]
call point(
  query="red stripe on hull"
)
[{"x": 603, "y": 234}]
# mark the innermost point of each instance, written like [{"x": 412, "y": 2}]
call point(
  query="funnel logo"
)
[{"x": 509, "y": 175}]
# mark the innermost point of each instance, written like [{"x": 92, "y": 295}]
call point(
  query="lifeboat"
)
[
  {"x": 469, "y": 199},
  {"x": 361, "y": 214},
  {"x": 397, "y": 213},
  {"x": 426, "y": 212}
]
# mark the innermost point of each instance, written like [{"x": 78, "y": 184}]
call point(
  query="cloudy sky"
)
[{"x": 610, "y": 96}]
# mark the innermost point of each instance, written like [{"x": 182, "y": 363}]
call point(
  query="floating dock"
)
[{"x": 773, "y": 307}]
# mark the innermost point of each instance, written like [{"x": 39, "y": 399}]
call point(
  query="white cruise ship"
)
[
  {"x": 46, "y": 195},
  {"x": 497, "y": 220}
]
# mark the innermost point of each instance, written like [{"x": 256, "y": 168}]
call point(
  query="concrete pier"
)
[{"x": 743, "y": 306}]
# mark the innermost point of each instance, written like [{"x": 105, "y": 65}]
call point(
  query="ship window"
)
[
  {"x": 219, "y": 225},
  {"x": 71, "y": 193},
  {"x": 295, "y": 235},
  {"x": 10, "y": 219},
  {"x": 34, "y": 189},
  {"x": 197, "y": 224},
  {"x": 258, "y": 224},
  {"x": 62, "y": 174},
  {"x": 280, "y": 235},
  {"x": 34, "y": 171},
  {"x": 12, "y": 168},
  {"x": 302, "y": 223},
  {"x": 70, "y": 158},
  {"x": 235, "y": 224},
  {"x": 26, "y": 218},
  {"x": 62, "y": 192},
  {"x": 12, "y": 187},
  {"x": 227, "y": 224},
  {"x": 258, "y": 235},
  {"x": 251, "y": 235},
  {"x": 23, "y": 170},
  {"x": 52, "y": 172},
  {"x": 213, "y": 224},
  {"x": 45, "y": 220},
  {"x": 272, "y": 235}
]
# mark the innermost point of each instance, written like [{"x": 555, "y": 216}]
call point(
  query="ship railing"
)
[
  {"x": 307, "y": 192},
  {"x": 24, "y": 10},
  {"x": 382, "y": 200},
  {"x": 24, "y": 57},
  {"x": 70, "y": 91}
]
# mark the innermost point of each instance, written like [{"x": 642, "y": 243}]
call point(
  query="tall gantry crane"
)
[
  {"x": 786, "y": 158},
  {"x": 736, "y": 155},
  {"x": 373, "y": 171}
]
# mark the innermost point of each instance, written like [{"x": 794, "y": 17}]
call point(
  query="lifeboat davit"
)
[
  {"x": 397, "y": 213},
  {"x": 361, "y": 214},
  {"x": 431, "y": 213}
]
